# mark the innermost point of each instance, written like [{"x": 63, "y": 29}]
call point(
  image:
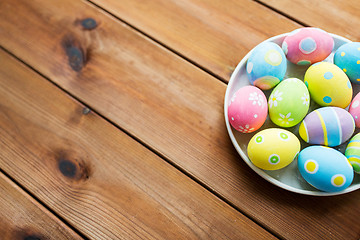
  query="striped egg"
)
[
  {"x": 352, "y": 152},
  {"x": 329, "y": 126}
]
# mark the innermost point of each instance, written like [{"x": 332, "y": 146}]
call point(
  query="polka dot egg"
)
[
  {"x": 266, "y": 65},
  {"x": 247, "y": 110},
  {"x": 347, "y": 58},
  {"x": 328, "y": 85},
  {"x": 273, "y": 148},
  {"x": 354, "y": 109},
  {"x": 325, "y": 168},
  {"x": 305, "y": 46},
  {"x": 352, "y": 152},
  {"x": 329, "y": 126}
]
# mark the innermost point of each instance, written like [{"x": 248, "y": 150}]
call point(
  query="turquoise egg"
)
[
  {"x": 347, "y": 57},
  {"x": 266, "y": 65},
  {"x": 325, "y": 168}
]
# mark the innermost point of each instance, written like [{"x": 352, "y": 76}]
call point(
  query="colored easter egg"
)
[
  {"x": 329, "y": 126},
  {"x": 273, "y": 148},
  {"x": 347, "y": 58},
  {"x": 266, "y": 65},
  {"x": 325, "y": 168},
  {"x": 354, "y": 109},
  {"x": 328, "y": 85},
  {"x": 247, "y": 110},
  {"x": 305, "y": 46},
  {"x": 289, "y": 102},
  {"x": 352, "y": 152}
]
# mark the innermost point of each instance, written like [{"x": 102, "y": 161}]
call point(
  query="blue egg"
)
[
  {"x": 347, "y": 57},
  {"x": 266, "y": 65},
  {"x": 325, "y": 168}
]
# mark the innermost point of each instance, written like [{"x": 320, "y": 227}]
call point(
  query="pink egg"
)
[
  {"x": 247, "y": 109},
  {"x": 305, "y": 46},
  {"x": 354, "y": 109}
]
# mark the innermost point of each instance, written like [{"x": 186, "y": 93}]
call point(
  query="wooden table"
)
[{"x": 112, "y": 124}]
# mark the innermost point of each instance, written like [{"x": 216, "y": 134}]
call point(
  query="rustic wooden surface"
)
[
  {"x": 23, "y": 218},
  {"x": 339, "y": 17},
  {"x": 211, "y": 34},
  {"x": 95, "y": 176},
  {"x": 119, "y": 129}
]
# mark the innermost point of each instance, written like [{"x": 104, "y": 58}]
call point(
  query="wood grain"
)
[
  {"x": 214, "y": 34},
  {"x": 100, "y": 180},
  {"x": 339, "y": 17},
  {"x": 164, "y": 102},
  {"x": 21, "y": 217}
]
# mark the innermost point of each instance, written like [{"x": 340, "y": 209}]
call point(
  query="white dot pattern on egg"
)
[
  {"x": 247, "y": 110},
  {"x": 307, "y": 45},
  {"x": 338, "y": 180},
  {"x": 354, "y": 109},
  {"x": 266, "y": 65},
  {"x": 273, "y": 57},
  {"x": 325, "y": 168},
  {"x": 289, "y": 102},
  {"x": 273, "y": 148},
  {"x": 311, "y": 166},
  {"x": 274, "y": 159},
  {"x": 355, "y": 104}
]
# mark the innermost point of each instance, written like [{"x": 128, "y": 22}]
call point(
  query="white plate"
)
[{"x": 289, "y": 177}]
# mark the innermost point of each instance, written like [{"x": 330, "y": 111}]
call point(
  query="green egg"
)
[
  {"x": 289, "y": 102},
  {"x": 352, "y": 152}
]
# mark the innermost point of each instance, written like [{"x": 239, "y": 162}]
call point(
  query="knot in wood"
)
[
  {"x": 76, "y": 55},
  {"x": 88, "y": 23},
  {"x": 32, "y": 237},
  {"x": 72, "y": 166},
  {"x": 67, "y": 168}
]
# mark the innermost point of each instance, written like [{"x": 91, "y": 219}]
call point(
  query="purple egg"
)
[{"x": 328, "y": 126}]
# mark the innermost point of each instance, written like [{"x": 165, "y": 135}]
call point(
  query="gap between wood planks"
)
[
  {"x": 182, "y": 56},
  {"x": 261, "y": 2},
  {"x": 179, "y": 168},
  {"x": 158, "y": 42},
  {"x": 177, "y": 53},
  {"x": 154, "y": 151},
  {"x": 30, "y": 195}
]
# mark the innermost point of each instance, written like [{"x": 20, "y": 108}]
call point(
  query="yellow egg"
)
[
  {"x": 328, "y": 85},
  {"x": 273, "y": 148}
]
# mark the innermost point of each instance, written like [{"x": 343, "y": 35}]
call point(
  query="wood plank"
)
[
  {"x": 215, "y": 34},
  {"x": 339, "y": 17},
  {"x": 100, "y": 180},
  {"x": 21, "y": 217},
  {"x": 166, "y": 103}
]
